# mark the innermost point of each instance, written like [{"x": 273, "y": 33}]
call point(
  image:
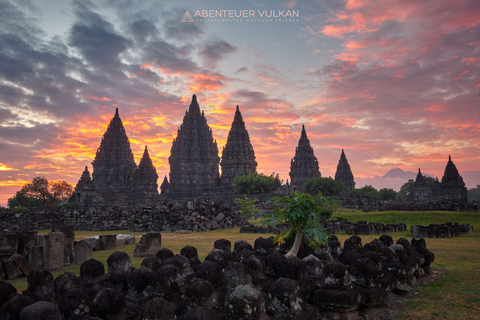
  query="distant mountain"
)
[{"x": 406, "y": 175}]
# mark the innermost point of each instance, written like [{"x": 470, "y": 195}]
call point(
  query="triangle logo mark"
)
[{"x": 187, "y": 17}]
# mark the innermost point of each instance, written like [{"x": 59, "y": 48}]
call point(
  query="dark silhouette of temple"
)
[
  {"x": 451, "y": 189},
  {"x": 344, "y": 174},
  {"x": 304, "y": 164},
  {"x": 238, "y": 156},
  {"x": 115, "y": 177},
  {"x": 194, "y": 167},
  {"x": 194, "y": 160}
]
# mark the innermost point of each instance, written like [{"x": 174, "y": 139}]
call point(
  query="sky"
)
[{"x": 395, "y": 83}]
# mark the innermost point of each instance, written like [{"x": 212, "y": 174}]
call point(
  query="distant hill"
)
[{"x": 406, "y": 175}]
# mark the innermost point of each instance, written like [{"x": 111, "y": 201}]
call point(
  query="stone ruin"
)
[
  {"x": 304, "y": 164},
  {"x": 333, "y": 226},
  {"x": 344, "y": 174},
  {"x": 249, "y": 282},
  {"x": 445, "y": 230}
]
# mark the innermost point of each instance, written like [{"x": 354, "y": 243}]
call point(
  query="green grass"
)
[{"x": 456, "y": 295}]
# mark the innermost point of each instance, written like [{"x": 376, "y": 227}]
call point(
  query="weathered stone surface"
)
[
  {"x": 152, "y": 263},
  {"x": 240, "y": 245},
  {"x": 337, "y": 300},
  {"x": 200, "y": 313},
  {"x": 53, "y": 250},
  {"x": 119, "y": 261},
  {"x": 144, "y": 180},
  {"x": 199, "y": 291},
  {"x": 11, "y": 269},
  {"x": 41, "y": 310},
  {"x": 158, "y": 309},
  {"x": 7, "y": 291},
  {"x": 164, "y": 254},
  {"x": 149, "y": 245},
  {"x": 238, "y": 156},
  {"x": 169, "y": 282},
  {"x": 295, "y": 269},
  {"x": 263, "y": 246},
  {"x": 83, "y": 253},
  {"x": 141, "y": 284},
  {"x": 108, "y": 242},
  {"x": 10, "y": 310},
  {"x": 336, "y": 275},
  {"x": 109, "y": 304},
  {"x": 118, "y": 280},
  {"x": 212, "y": 272},
  {"x": 74, "y": 304},
  {"x": 92, "y": 276},
  {"x": 64, "y": 283},
  {"x": 224, "y": 245},
  {"x": 40, "y": 285},
  {"x": 191, "y": 254},
  {"x": 217, "y": 256},
  {"x": 304, "y": 164},
  {"x": 273, "y": 264},
  {"x": 69, "y": 240},
  {"x": 22, "y": 264},
  {"x": 284, "y": 299},
  {"x": 245, "y": 302}
]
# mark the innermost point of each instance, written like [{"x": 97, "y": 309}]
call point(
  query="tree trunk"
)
[{"x": 296, "y": 245}]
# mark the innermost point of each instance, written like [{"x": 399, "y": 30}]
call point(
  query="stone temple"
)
[
  {"x": 421, "y": 191},
  {"x": 344, "y": 174},
  {"x": 453, "y": 187},
  {"x": 115, "y": 177},
  {"x": 238, "y": 156},
  {"x": 194, "y": 160},
  {"x": 304, "y": 164}
]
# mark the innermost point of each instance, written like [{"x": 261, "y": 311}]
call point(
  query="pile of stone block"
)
[
  {"x": 246, "y": 282},
  {"x": 445, "y": 230}
]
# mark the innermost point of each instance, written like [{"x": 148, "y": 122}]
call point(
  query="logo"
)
[{"x": 187, "y": 17}]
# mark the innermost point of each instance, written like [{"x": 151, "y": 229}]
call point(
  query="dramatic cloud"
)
[{"x": 394, "y": 85}]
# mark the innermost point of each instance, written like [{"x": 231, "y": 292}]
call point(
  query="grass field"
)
[{"x": 456, "y": 295}]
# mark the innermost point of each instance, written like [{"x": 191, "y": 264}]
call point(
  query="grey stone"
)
[
  {"x": 53, "y": 250},
  {"x": 36, "y": 258},
  {"x": 83, "y": 253}
]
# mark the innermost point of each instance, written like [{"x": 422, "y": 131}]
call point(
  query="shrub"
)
[
  {"x": 326, "y": 186},
  {"x": 255, "y": 183},
  {"x": 247, "y": 208}
]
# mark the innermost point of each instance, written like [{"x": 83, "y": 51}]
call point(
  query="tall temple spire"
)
[
  {"x": 194, "y": 156},
  {"x": 238, "y": 156},
  {"x": 304, "y": 164},
  {"x": 453, "y": 187},
  {"x": 344, "y": 174},
  {"x": 144, "y": 182},
  {"x": 113, "y": 166},
  {"x": 421, "y": 191}
]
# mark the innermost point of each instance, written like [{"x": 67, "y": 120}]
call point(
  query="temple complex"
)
[
  {"x": 144, "y": 181},
  {"x": 344, "y": 174},
  {"x": 421, "y": 191},
  {"x": 453, "y": 187},
  {"x": 194, "y": 160},
  {"x": 238, "y": 156},
  {"x": 304, "y": 164}
]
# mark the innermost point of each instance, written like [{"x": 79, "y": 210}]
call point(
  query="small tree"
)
[
  {"x": 41, "y": 192},
  {"x": 366, "y": 191},
  {"x": 326, "y": 186},
  {"x": 247, "y": 208},
  {"x": 305, "y": 214},
  {"x": 387, "y": 194}
]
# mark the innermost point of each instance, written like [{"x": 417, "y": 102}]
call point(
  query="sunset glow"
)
[{"x": 394, "y": 83}]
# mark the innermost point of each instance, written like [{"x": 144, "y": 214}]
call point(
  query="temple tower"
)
[
  {"x": 85, "y": 191},
  {"x": 421, "y": 191},
  {"x": 344, "y": 174},
  {"x": 304, "y": 164},
  {"x": 114, "y": 165},
  {"x": 453, "y": 187},
  {"x": 238, "y": 156},
  {"x": 194, "y": 156},
  {"x": 144, "y": 182}
]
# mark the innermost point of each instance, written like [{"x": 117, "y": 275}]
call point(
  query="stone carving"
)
[
  {"x": 85, "y": 191},
  {"x": 194, "y": 156},
  {"x": 238, "y": 156},
  {"x": 344, "y": 174},
  {"x": 114, "y": 166},
  {"x": 304, "y": 164}
]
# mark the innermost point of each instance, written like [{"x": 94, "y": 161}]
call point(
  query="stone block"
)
[
  {"x": 108, "y": 242},
  {"x": 83, "y": 253},
  {"x": 36, "y": 258},
  {"x": 6, "y": 252},
  {"x": 149, "y": 245},
  {"x": 22, "y": 264},
  {"x": 10, "y": 239},
  {"x": 11, "y": 269},
  {"x": 69, "y": 235},
  {"x": 53, "y": 250}
]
